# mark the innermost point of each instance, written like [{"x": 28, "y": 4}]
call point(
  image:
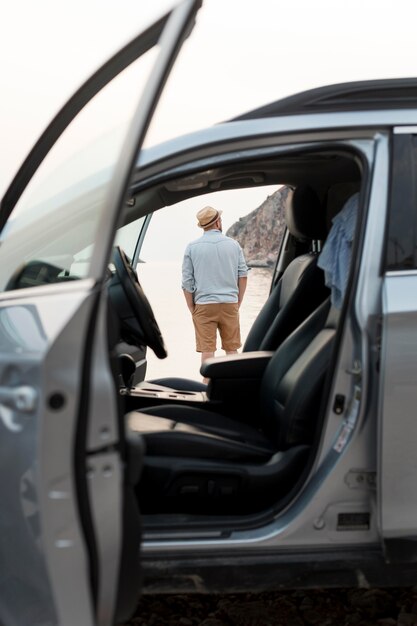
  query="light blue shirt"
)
[
  {"x": 211, "y": 268},
  {"x": 335, "y": 257}
]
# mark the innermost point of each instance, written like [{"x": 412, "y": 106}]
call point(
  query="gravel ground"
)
[{"x": 341, "y": 607}]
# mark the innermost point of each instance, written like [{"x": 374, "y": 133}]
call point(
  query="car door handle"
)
[{"x": 22, "y": 398}]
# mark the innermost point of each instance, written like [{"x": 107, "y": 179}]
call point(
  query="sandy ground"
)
[{"x": 341, "y": 607}]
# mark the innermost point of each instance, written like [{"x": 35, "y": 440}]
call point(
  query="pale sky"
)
[{"x": 241, "y": 55}]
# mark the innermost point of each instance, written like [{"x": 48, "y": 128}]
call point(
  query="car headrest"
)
[{"x": 304, "y": 215}]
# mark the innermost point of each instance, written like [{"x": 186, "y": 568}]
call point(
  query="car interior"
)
[{"x": 244, "y": 443}]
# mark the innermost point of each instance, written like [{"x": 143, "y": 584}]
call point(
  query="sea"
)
[{"x": 161, "y": 282}]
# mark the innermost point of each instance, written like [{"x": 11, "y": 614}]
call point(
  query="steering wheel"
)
[{"x": 139, "y": 325}]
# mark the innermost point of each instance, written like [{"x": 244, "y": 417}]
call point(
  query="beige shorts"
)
[{"x": 208, "y": 318}]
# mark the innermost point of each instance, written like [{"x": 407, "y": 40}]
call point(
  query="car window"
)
[
  {"x": 127, "y": 236},
  {"x": 52, "y": 231},
  {"x": 401, "y": 244}
]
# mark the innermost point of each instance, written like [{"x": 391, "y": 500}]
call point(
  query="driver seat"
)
[
  {"x": 198, "y": 461},
  {"x": 296, "y": 294}
]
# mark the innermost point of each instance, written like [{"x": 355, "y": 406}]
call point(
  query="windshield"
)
[{"x": 51, "y": 233}]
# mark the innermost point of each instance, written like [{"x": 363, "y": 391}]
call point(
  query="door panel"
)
[
  {"x": 66, "y": 544},
  {"x": 398, "y": 402},
  {"x": 41, "y": 536}
]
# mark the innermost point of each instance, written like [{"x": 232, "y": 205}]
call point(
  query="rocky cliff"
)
[{"x": 260, "y": 232}]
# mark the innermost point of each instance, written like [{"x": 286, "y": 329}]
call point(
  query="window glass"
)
[
  {"x": 52, "y": 231},
  {"x": 401, "y": 244},
  {"x": 127, "y": 236}
]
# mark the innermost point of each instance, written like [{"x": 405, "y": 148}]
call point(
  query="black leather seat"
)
[
  {"x": 296, "y": 294},
  {"x": 204, "y": 462}
]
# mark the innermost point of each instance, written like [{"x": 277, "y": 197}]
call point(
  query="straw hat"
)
[{"x": 207, "y": 216}]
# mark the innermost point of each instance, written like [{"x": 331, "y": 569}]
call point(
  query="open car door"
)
[{"x": 66, "y": 554}]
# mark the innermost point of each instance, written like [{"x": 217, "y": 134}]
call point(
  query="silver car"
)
[{"x": 296, "y": 464}]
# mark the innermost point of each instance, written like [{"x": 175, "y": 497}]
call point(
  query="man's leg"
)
[
  {"x": 204, "y": 357},
  {"x": 205, "y": 323},
  {"x": 229, "y": 328}
]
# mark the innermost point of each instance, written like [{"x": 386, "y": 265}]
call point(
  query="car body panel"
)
[
  {"x": 398, "y": 429},
  {"x": 301, "y": 127},
  {"x": 269, "y": 570}
]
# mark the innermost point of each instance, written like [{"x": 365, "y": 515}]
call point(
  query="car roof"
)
[
  {"x": 393, "y": 93},
  {"x": 361, "y": 103}
]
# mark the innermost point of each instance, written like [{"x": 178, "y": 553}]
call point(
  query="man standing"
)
[{"x": 214, "y": 277}]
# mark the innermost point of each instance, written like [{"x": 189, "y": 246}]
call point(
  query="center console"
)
[{"x": 234, "y": 385}]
